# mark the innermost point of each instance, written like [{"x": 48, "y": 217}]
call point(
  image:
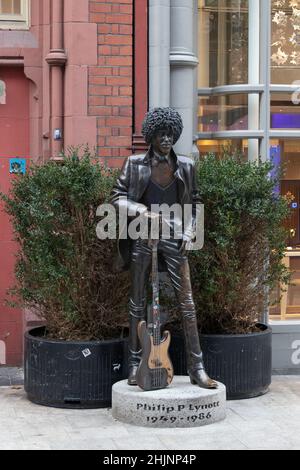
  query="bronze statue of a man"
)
[{"x": 160, "y": 176}]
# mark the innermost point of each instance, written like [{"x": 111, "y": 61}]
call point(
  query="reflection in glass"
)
[
  {"x": 10, "y": 7},
  {"x": 220, "y": 147},
  {"x": 223, "y": 42},
  {"x": 287, "y": 305},
  {"x": 285, "y": 55},
  {"x": 286, "y": 153},
  {"x": 221, "y": 113},
  {"x": 284, "y": 113},
  {"x": 289, "y": 158}
]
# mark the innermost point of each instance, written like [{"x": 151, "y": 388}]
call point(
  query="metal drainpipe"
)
[{"x": 57, "y": 60}]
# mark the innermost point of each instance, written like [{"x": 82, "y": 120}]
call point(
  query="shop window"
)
[
  {"x": 14, "y": 14},
  {"x": 286, "y": 154},
  {"x": 223, "y": 42},
  {"x": 285, "y": 55},
  {"x": 285, "y": 111},
  {"x": 223, "y": 113},
  {"x": 220, "y": 147}
]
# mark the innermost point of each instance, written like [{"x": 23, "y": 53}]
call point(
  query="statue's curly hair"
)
[{"x": 161, "y": 118}]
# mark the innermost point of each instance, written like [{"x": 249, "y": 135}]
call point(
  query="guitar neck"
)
[{"x": 155, "y": 296}]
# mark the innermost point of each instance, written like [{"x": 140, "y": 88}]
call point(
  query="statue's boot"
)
[
  {"x": 135, "y": 351},
  {"x": 196, "y": 369}
]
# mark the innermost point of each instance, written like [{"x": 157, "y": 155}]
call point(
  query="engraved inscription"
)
[{"x": 190, "y": 413}]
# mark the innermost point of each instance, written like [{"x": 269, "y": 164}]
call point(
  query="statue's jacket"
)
[{"x": 133, "y": 181}]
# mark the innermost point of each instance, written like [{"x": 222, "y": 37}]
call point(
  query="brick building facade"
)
[
  {"x": 111, "y": 81},
  {"x": 69, "y": 69}
]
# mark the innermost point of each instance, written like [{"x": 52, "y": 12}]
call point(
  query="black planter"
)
[
  {"x": 242, "y": 362},
  {"x": 72, "y": 374}
]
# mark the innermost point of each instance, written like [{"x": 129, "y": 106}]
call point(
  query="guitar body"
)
[{"x": 155, "y": 370}]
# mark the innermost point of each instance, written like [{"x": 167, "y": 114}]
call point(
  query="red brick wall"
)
[{"x": 111, "y": 82}]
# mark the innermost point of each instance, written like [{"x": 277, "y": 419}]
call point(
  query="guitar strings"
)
[{"x": 155, "y": 311}]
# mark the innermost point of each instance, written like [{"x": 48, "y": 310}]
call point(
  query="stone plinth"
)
[{"x": 181, "y": 405}]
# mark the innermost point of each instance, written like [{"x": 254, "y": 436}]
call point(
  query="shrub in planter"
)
[
  {"x": 64, "y": 274},
  {"x": 241, "y": 261}
]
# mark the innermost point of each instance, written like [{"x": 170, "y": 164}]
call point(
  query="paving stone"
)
[
  {"x": 268, "y": 422},
  {"x": 228, "y": 442},
  {"x": 137, "y": 443},
  {"x": 4, "y": 381}
]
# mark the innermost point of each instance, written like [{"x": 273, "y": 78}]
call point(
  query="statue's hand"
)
[
  {"x": 183, "y": 247},
  {"x": 186, "y": 244}
]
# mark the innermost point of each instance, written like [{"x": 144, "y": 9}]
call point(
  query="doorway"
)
[{"x": 14, "y": 144}]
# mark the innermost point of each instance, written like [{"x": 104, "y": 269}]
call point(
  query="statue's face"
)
[{"x": 163, "y": 141}]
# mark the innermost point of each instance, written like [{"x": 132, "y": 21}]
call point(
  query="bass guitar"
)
[{"x": 155, "y": 370}]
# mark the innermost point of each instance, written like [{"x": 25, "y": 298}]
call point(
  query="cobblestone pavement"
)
[{"x": 268, "y": 422}]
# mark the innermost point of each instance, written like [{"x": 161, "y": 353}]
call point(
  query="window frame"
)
[
  {"x": 265, "y": 89},
  {"x": 263, "y": 134},
  {"x": 21, "y": 21}
]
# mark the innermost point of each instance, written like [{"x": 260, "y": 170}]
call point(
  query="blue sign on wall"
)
[{"x": 17, "y": 166}]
